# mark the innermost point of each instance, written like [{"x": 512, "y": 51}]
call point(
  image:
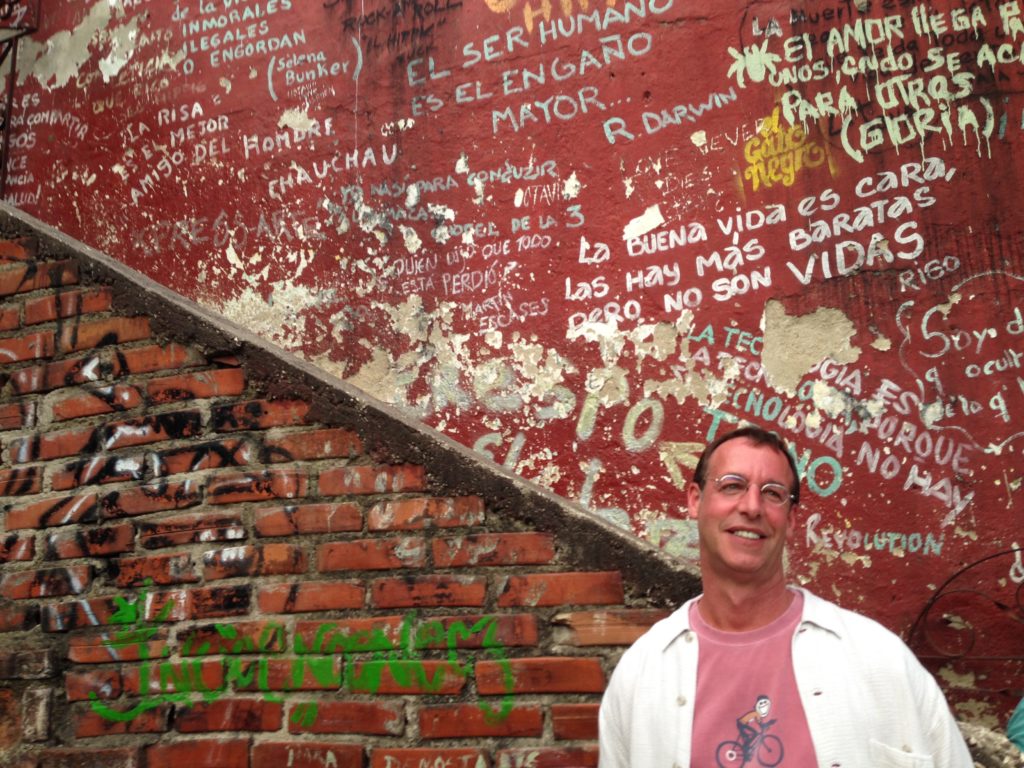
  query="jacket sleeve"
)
[
  {"x": 613, "y": 719},
  {"x": 949, "y": 750}
]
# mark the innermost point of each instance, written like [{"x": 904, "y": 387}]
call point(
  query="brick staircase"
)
[{"x": 214, "y": 554}]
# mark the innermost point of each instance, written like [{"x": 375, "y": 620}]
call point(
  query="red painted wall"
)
[{"x": 585, "y": 238}]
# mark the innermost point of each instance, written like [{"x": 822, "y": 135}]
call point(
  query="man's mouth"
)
[{"x": 747, "y": 534}]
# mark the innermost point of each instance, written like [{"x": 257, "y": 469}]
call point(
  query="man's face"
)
[{"x": 742, "y": 537}]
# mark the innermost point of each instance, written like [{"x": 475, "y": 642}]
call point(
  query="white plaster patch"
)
[
  {"x": 411, "y": 239},
  {"x": 297, "y": 120},
  {"x": 281, "y": 317},
  {"x": 571, "y": 187},
  {"x": 649, "y": 220},
  {"x": 122, "y": 48},
  {"x": 59, "y": 58},
  {"x": 699, "y": 138},
  {"x": 793, "y": 344}
]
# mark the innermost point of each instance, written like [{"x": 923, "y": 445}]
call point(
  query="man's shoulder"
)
[
  {"x": 663, "y": 632},
  {"x": 849, "y": 626}
]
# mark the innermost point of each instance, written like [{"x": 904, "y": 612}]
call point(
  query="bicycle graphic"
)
[{"x": 765, "y": 747}]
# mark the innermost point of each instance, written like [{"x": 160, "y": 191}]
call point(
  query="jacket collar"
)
[{"x": 816, "y": 612}]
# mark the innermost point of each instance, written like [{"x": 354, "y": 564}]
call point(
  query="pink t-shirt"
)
[{"x": 748, "y": 710}]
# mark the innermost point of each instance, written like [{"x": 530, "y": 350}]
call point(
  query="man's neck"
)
[{"x": 740, "y": 608}]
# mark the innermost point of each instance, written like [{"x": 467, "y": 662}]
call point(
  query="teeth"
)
[{"x": 746, "y": 534}]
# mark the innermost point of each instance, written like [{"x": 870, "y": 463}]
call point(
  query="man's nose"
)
[{"x": 751, "y": 501}]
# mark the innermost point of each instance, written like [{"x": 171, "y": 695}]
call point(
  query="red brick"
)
[
  {"x": 470, "y": 721},
  {"x": 160, "y": 357},
  {"x": 372, "y": 554},
  {"x": 576, "y": 588},
  {"x": 203, "y": 385},
  {"x": 308, "y": 518},
  {"x": 415, "y": 514},
  {"x": 62, "y": 373},
  {"x": 70, "y": 442},
  {"x": 622, "y": 627},
  {"x": 352, "y": 717},
  {"x": 86, "y": 612},
  {"x": 90, "y": 542},
  {"x": 16, "y": 548},
  {"x": 98, "y": 469},
  {"x": 307, "y": 754},
  {"x": 46, "y": 582},
  {"x": 20, "y": 481},
  {"x": 312, "y": 445},
  {"x": 80, "y": 757},
  {"x": 203, "y": 456},
  {"x": 91, "y": 724},
  {"x": 380, "y": 633},
  {"x": 263, "y": 560},
  {"x": 162, "y": 677},
  {"x": 494, "y": 549},
  {"x": 18, "y": 249},
  {"x": 189, "y": 529},
  {"x": 31, "y": 346},
  {"x": 229, "y": 715},
  {"x": 79, "y": 336},
  {"x": 67, "y": 304},
  {"x": 428, "y": 591},
  {"x": 235, "y": 637},
  {"x": 10, "y": 318},
  {"x": 362, "y": 479},
  {"x": 547, "y": 757},
  {"x": 10, "y": 719},
  {"x": 425, "y": 757},
  {"x": 505, "y": 629},
  {"x": 237, "y": 487},
  {"x": 199, "y": 753},
  {"x": 302, "y": 673},
  {"x": 154, "y": 497},
  {"x": 162, "y": 569},
  {"x": 258, "y": 414},
  {"x": 151, "y": 429},
  {"x": 575, "y": 722},
  {"x": 52, "y": 445},
  {"x": 103, "y": 683},
  {"x": 199, "y": 603},
  {"x": 16, "y": 617},
  {"x": 35, "y": 664},
  {"x": 17, "y": 415},
  {"x": 551, "y": 674},
  {"x": 300, "y": 597},
  {"x": 35, "y": 276},
  {"x": 441, "y": 678},
  {"x": 109, "y": 399},
  {"x": 385, "y": 633},
  {"x": 116, "y": 645}
]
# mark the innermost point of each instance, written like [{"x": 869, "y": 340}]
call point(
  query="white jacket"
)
[{"x": 869, "y": 703}]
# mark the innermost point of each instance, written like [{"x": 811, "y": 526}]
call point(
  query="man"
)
[{"x": 844, "y": 691}]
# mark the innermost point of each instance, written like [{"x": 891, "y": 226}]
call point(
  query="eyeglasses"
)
[{"x": 734, "y": 486}]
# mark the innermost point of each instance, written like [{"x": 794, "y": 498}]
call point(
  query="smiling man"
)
[{"x": 843, "y": 691}]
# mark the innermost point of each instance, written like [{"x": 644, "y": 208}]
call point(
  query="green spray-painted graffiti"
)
[{"x": 366, "y": 656}]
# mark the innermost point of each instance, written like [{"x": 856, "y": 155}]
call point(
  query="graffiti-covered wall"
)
[{"x": 584, "y": 238}]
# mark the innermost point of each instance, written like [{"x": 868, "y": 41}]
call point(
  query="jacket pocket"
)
[{"x": 884, "y": 756}]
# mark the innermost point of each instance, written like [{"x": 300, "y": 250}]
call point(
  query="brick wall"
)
[{"x": 213, "y": 555}]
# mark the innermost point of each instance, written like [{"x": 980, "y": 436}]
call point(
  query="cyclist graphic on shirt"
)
[{"x": 753, "y": 722}]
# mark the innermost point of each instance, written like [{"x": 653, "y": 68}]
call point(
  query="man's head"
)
[
  {"x": 757, "y": 436},
  {"x": 742, "y": 497}
]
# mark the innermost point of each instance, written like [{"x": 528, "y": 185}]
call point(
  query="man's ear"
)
[
  {"x": 693, "y": 494},
  {"x": 791, "y": 523}
]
